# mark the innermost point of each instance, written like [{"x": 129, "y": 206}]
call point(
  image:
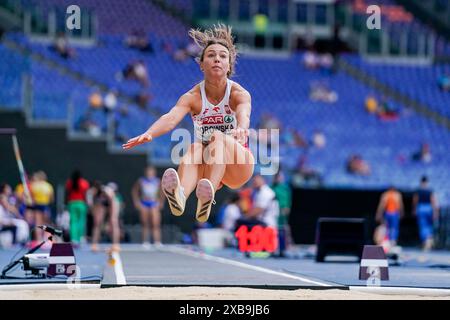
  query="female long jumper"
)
[{"x": 220, "y": 110}]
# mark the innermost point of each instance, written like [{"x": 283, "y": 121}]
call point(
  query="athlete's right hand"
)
[{"x": 133, "y": 142}]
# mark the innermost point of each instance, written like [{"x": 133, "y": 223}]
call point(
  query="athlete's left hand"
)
[{"x": 240, "y": 134}]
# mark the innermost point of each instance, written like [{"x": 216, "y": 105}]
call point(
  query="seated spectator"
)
[
  {"x": 110, "y": 101},
  {"x": 180, "y": 55},
  {"x": 444, "y": 82},
  {"x": 387, "y": 110},
  {"x": 310, "y": 60},
  {"x": 305, "y": 175},
  {"x": 423, "y": 155},
  {"x": 87, "y": 124},
  {"x": 371, "y": 104},
  {"x": 193, "y": 50},
  {"x": 184, "y": 52},
  {"x": 326, "y": 63},
  {"x": 299, "y": 140},
  {"x": 358, "y": 166},
  {"x": 95, "y": 100},
  {"x": 318, "y": 140},
  {"x": 291, "y": 137},
  {"x": 135, "y": 70},
  {"x": 141, "y": 73},
  {"x": 138, "y": 40},
  {"x": 61, "y": 46},
  {"x": 320, "y": 91}
]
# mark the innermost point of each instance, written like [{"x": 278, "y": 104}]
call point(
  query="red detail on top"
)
[{"x": 212, "y": 120}]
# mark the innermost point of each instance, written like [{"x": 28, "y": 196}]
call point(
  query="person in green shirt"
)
[{"x": 283, "y": 194}]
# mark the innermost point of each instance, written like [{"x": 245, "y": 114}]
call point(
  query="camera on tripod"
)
[{"x": 60, "y": 260}]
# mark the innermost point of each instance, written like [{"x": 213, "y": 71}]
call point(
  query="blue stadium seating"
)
[{"x": 279, "y": 86}]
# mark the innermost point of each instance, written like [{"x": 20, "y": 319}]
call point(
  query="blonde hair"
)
[{"x": 217, "y": 34}]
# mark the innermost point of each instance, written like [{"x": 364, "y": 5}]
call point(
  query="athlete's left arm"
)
[
  {"x": 243, "y": 108},
  {"x": 243, "y": 103}
]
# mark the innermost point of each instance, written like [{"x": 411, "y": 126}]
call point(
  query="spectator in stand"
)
[
  {"x": 319, "y": 91},
  {"x": 371, "y": 104},
  {"x": 87, "y": 124},
  {"x": 95, "y": 99},
  {"x": 138, "y": 40},
  {"x": 424, "y": 154},
  {"x": 310, "y": 60},
  {"x": 318, "y": 139},
  {"x": 387, "y": 110},
  {"x": 185, "y": 52},
  {"x": 444, "y": 82},
  {"x": 110, "y": 101},
  {"x": 426, "y": 209},
  {"x": 193, "y": 50},
  {"x": 358, "y": 166},
  {"x": 61, "y": 46},
  {"x": 141, "y": 73},
  {"x": 299, "y": 140},
  {"x": 305, "y": 175},
  {"x": 76, "y": 188},
  {"x": 326, "y": 63},
  {"x": 135, "y": 70}
]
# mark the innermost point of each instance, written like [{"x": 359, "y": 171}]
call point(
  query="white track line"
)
[
  {"x": 49, "y": 286},
  {"x": 118, "y": 269},
  {"x": 240, "y": 264},
  {"x": 403, "y": 291}
]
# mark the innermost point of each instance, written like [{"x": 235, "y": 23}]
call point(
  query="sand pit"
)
[{"x": 202, "y": 293}]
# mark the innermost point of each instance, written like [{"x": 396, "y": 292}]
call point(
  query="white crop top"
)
[{"x": 214, "y": 117}]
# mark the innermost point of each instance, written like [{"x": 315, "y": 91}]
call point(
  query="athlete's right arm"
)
[{"x": 164, "y": 124}]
